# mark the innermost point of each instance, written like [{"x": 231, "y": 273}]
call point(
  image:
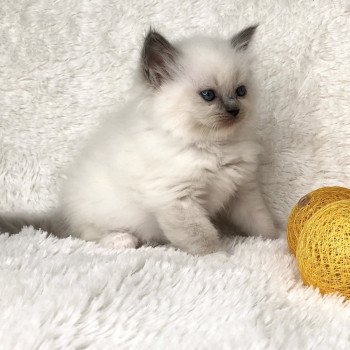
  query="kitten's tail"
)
[{"x": 51, "y": 222}]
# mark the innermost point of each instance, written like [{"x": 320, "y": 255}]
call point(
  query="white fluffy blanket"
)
[{"x": 62, "y": 64}]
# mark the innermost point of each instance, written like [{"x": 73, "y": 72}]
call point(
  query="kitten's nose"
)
[{"x": 233, "y": 111}]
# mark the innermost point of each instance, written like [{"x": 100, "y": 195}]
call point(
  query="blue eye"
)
[
  {"x": 208, "y": 95},
  {"x": 241, "y": 91}
]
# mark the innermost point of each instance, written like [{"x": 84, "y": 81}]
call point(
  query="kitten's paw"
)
[
  {"x": 267, "y": 230},
  {"x": 221, "y": 254},
  {"x": 205, "y": 248},
  {"x": 119, "y": 240},
  {"x": 272, "y": 234}
]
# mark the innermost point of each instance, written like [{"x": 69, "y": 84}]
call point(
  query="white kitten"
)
[{"x": 177, "y": 155}]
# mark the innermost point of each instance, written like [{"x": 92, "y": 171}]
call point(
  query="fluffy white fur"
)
[{"x": 169, "y": 162}]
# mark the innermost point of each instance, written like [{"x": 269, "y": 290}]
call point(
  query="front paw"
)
[
  {"x": 272, "y": 233},
  {"x": 205, "y": 248},
  {"x": 119, "y": 240},
  {"x": 269, "y": 231}
]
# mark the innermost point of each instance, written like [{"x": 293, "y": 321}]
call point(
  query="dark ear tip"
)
[
  {"x": 241, "y": 40},
  {"x": 152, "y": 34},
  {"x": 157, "y": 58},
  {"x": 252, "y": 29}
]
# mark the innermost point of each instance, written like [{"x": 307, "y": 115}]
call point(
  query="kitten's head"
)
[{"x": 200, "y": 87}]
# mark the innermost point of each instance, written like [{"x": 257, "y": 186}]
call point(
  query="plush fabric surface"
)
[
  {"x": 62, "y": 65},
  {"x": 68, "y": 294}
]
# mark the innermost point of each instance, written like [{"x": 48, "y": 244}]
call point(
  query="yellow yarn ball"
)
[
  {"x": 308, "y": 206},
  {"x": 323, "y": 251}
]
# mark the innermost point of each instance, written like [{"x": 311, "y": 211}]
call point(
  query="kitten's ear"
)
[
  {"x": 157, "y": 58},
  {"x": 241, "y": 40}
]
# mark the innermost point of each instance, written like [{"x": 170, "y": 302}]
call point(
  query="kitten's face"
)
[{"x": 202, "y": 86}]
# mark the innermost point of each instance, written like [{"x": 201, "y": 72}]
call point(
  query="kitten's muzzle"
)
[{"x": 231, "y": 106}]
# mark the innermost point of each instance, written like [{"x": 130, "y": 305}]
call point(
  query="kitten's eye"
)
[
  {"x": 208, "y": 95},
  {"x": 241, "y": 91}
]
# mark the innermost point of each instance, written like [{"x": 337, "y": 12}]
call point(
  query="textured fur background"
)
[{"x": 62, "y": 64}]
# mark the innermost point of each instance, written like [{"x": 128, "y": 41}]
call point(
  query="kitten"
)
[{"x": 180, "y": 153}]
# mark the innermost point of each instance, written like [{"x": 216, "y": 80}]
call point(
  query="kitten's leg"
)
[
  {"x": 186, "y": 225},
  {"x": 119, "y": 240},
  {"x": 116, "y": 239},
  {"x": 249, "y": 212}
]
